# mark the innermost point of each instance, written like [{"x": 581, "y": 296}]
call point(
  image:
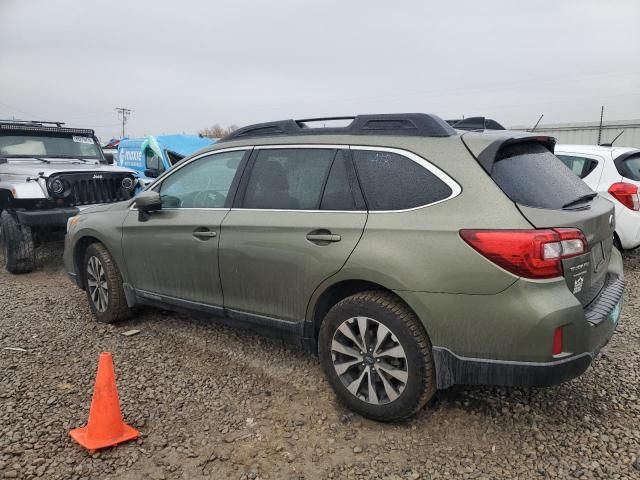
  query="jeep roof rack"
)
[
  {"x": 42, "y": 126},
  {"x": 405, "y": 124},
  {"x": 36, "y": 122},
  {"x": 475, "y": 123}
]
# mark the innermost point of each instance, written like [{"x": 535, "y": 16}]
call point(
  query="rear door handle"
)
[
  {"x": 205, "y": 234},
  {"x": 323, "y": 237}
]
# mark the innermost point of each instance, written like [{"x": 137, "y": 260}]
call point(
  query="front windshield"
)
[{"x": 48, "y": 145}]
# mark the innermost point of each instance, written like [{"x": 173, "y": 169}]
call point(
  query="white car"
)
[{"x": 613, "y": 172}]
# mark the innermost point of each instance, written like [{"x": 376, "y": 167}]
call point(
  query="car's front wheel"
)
[
  {"x": 377, "y": 356},
  {"x": 103, "y": 284},
  {"x": 17, "y": 244}
]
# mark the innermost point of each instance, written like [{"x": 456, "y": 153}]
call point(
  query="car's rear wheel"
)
[
  {"x": 377, "y": 356},
  {"x": 17, "y": 244},
  {"x": 103, "y": 284}
]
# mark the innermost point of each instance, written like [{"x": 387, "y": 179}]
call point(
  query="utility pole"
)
[
  {"x": 123, "y": 114},
  {"x": 600, "y": 127}
]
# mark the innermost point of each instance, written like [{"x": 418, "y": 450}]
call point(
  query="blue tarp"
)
[
  {"x": 182, "y": 144},
  {"x": 131, "y": 151}
]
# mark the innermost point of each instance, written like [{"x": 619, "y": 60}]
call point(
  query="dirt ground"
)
[{"x": 212, "y": 402}]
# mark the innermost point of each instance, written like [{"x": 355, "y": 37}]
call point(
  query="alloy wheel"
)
[
  {"x": 369, "y": 360},
  {"x": 97, "y": 284}
]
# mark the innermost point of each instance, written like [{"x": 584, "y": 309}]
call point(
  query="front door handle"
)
[
  {"x": 323, "y": 237},
  {"x": 204, "y": 234}
]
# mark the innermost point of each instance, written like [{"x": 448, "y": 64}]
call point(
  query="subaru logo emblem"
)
[{"x": 97, "y": 177}]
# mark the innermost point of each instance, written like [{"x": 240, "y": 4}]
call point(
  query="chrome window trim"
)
[
  {"x": 216, "y": 209},
  {"x": 456, "y": 189},
  {"x": 304, "y": 145},
  {"x": 299, "y": 211}
]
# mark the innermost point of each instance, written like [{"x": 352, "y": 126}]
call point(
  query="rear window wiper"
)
[{"x": 581, "y": 199}]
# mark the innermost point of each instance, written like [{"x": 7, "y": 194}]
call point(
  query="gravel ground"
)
[{"x": 212, "y": 402}]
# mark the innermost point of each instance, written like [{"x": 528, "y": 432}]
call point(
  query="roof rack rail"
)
[
  {"x": 52, "y": 127},
  {"x": 475, "y": 123},
  {"x": 33, "y": 122},
  {"x": 405, "y": 124}
]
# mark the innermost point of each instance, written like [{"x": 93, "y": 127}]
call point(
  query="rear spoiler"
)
[{"x": 486, "y": 154}]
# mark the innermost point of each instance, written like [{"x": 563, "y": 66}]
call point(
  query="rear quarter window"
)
[
  {"x": 629, "y": 166},
  {"x": 531, "y": 175},
  {"x": 394, "y": 182},
  {"x": 581, "y": 166}
]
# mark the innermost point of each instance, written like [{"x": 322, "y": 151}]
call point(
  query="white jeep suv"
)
[{"x": 613, "y": 172}]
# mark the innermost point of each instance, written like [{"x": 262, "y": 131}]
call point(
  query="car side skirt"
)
[{"x": 290, "y": 331}]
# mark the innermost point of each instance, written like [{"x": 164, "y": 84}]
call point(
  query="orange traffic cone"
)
[{"x": 106, "y": 427}]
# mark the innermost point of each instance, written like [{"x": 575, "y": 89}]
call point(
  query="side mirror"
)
[
  {"x": 146, "y": 203},
  {"x": 152, "y": 173}
]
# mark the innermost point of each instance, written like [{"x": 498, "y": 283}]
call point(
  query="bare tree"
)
[{"x": 217, "y": 131}]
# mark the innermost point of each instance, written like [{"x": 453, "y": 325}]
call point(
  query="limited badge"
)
[{"x": 577, "y": 286}]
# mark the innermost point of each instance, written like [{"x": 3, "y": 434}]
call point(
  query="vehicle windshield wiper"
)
[
  {"x": 42, "y": 159},
  {"x": 69, "y": 157},
  {"x": 581, "y": 199}
]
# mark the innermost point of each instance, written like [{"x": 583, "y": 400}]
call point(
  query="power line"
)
[
  {"x": 123, "y": 114},
  {"x": 15, "y": 109}
]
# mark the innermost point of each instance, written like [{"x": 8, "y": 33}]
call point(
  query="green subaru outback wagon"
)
[{"x": 408, "y": 255}]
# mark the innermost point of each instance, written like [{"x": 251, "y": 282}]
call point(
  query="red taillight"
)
[
  {"x": 626, "y": 194},
  {"x": 528, "y": 253},
  {"x": 557, "y": 341}
]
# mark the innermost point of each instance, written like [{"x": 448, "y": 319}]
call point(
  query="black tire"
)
[
  {"x": 616, "y": 242},
  {"x": 405, "y": 328},
  {"x": 115, "y": 309},
  {"x": 17, "y": 244}
]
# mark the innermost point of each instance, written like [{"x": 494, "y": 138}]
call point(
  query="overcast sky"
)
[{"x": 184, "y": 65}]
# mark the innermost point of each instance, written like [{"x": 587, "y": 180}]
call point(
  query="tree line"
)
[{"x": 217, "y": 131}]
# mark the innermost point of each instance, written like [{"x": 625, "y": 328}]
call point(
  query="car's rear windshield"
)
[
  {"x": 629, "y": 167},
  {"x": 533, "y": 176},
  {"x": 48, "y": 145}
]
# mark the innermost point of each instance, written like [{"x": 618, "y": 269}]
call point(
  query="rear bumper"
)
[
  {"x": 506, "y": 339},
  {"x": 602, "y": 316},
  {"x": 452, "y": 369},
  {"x": 52, "y": 217}
]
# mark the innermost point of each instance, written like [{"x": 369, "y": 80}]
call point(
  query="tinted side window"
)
[
  {"x": 204, "y": 183},
  {"x": 288, "y": 178},
  {"x": 531, "y": 175},
  {"x": 581, "y": 166},
  {"x": 340, "y": 190},
  {"x": 629, "y": 167},
  {"x": 395, "y": 182}
]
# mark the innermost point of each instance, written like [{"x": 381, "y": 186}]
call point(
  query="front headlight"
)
[
  {"x": 56, "y": 186},
  {"x": 128, "y": 183}
]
